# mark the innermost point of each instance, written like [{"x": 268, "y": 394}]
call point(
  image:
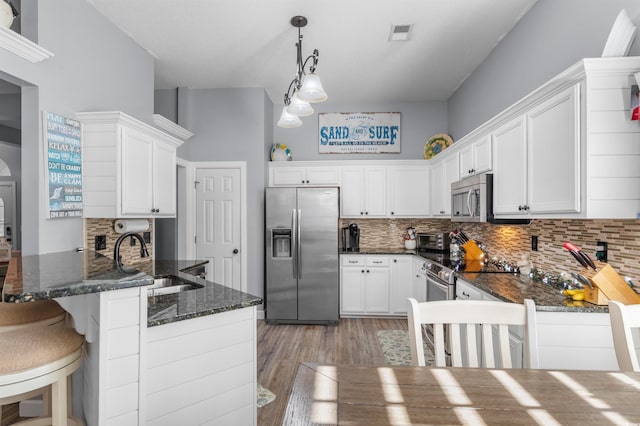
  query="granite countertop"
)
[
  {"x": 505, "y": 286},
  {"x": 211, "y": 299},
  {"x": 72, "y": 273},
  {"x": 69, "y": 273}
]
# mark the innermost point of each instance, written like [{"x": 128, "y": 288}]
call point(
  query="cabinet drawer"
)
[
  {"x": 377, "y": 261},
  {"x": 353, "y": 260}
]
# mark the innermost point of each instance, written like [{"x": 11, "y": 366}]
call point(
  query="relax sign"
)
[{"x": 359, "y": 132}]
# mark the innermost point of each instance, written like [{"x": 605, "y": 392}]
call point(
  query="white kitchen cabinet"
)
[
  {"x": 408, "y": 191},
  {"x": 304, "y": 176},
  {"x": 363, "y": 191},
  {"x": 129, "y": 167},
  {"x": 510, "y": 165},
  {"x": 476, "y": 158},
  {"x": 443, "y": 173},
  {"x": 364, "y": 285},
  {"x": 536, "y": 159},
  {"x": 402, "y": 283}
]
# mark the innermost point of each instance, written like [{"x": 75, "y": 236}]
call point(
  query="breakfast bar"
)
[
  {"x": 136, "y": 343},
  {"x": 374, "y": 395}
]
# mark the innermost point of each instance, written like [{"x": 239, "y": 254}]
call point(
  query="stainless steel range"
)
[{"x": 440, "y": 277}]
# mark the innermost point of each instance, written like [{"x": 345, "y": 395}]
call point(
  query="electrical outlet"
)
[
  {"x": 100, "y": 242},
  {"x": 602, "y": 248},
  {"x": 534, "y": 243},
  {"x": 146, "y": 236},
  {"x": 132, "y": 240}
]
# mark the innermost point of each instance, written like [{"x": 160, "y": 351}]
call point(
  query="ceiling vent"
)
[{"x": 400, "y": 32}]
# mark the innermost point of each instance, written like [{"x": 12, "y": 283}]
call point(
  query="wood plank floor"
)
[{"x": 282, "y": 347}]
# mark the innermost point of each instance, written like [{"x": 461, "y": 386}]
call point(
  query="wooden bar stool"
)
[{"x": 35, "y": 358}]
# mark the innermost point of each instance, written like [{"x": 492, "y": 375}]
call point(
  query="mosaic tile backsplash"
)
[
  {"x": 511, "y": 242},
  {"x": 130, "y": 254}
]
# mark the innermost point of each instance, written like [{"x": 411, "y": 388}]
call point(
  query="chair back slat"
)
[
  {"x": 625, "y": 319},
  {"x": 471, "y": 345},
  {"x": 456, "y": 325}
]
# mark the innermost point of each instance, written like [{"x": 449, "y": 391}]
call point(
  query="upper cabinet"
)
[
  {"x": 537, "y": 159},
  {"x": 286, "y": 175},
  {"x": 129, "y": 167},
  {"x": 409, "y": 191},
  {"x": 363, "y": 191},
  {"x": 476, "y": 157},
  {"x": 443, "y": 173}
]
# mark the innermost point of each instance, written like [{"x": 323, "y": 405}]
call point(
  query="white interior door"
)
[
  {"x": 8, "y": 227},
  {"x": 218, "y": 217}
]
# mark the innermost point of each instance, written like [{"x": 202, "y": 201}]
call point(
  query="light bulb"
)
[
  {"x": 288, "y": 121},
  {"x": 311, "y": 90}
]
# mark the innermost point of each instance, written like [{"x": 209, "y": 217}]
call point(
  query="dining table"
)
[{"x": 406, "y": 395}]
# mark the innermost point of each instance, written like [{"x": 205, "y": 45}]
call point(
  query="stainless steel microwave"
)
[{"x": 472, "y": 199}]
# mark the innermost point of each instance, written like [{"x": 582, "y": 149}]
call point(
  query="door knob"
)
[{"x": 235, "y": 251}]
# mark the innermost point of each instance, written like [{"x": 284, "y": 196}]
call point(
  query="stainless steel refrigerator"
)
[{"x": 302, "y": 255}]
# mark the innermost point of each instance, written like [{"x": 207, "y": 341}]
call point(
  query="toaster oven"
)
[{"x": 433, "y": 241}]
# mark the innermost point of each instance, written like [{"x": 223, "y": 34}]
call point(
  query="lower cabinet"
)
[
  {"x": 377, "y": 284},
  {"x": 465, "y": 291}
]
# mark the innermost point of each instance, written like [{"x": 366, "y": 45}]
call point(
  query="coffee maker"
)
[{"x": 351, "y": 238}]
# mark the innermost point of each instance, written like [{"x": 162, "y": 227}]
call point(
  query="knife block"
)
[
  {"x": 609, "y": 286},
  {"x": 472, "y": 251}
]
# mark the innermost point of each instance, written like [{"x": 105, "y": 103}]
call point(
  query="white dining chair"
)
[
  {"x": 625, "y": 321},
  {"x": 455, "y": 325}
]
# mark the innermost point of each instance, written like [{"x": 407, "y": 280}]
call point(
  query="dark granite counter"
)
[
  {"x": 211, "y": 299},
  {"x": 74, "y": 273},
  {"x": 70, "y": 273},
  {"x": 516, "y": 287},
  {"x": 505, "y": 286}
]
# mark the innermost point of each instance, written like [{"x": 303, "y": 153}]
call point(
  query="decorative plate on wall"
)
[
  {"x": 436, "y": 144},
  {"x": 280, "y": 152}
]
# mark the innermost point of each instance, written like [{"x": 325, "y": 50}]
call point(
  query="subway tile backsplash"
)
[{"x": 510, "y": 242}]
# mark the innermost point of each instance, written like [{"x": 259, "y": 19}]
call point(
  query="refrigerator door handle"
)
[
  {"x": 299, "y": 244},
  {"x": 294, "y": 242}
]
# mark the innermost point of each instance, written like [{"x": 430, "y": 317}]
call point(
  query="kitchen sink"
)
[{"x": 169, "y": 285}]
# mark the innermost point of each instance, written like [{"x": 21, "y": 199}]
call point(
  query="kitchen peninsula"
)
[{"x": 144, "y": 363}]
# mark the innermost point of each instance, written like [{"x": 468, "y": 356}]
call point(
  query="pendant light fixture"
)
[{"x": 305, "y": 88}]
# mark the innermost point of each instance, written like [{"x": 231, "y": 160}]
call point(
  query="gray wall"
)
[
  {"x": 418, "y": 121},
  {"x": 552, "y": 36},
  {"x": 95, "y": 67},
  {"x": 231, "y": 125}
]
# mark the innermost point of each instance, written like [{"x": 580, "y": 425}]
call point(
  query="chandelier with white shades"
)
[{"x": 305, "y": 87}]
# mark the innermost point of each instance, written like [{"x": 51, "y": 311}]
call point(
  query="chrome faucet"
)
[{"x": 116, "y": 249}]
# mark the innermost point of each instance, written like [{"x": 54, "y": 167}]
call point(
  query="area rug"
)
[
  {"x": 265, "y": 396},
  {"x": 396, "y": 350}
]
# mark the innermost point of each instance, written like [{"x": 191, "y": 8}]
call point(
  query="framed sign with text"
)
[
  {"x": 359, "y": 133},
  {"x": 63, "y": 162}
]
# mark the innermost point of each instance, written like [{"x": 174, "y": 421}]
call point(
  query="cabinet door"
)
[
  {"x": 352, "y": 192},
  {"x": 137, "y": 173},
  {"x": 438, "y": 202},
  {"x": 288, "y": 176},
  {"x": 377, "y": 290},
  {"x": 465, "y": 291},
  {"x": 408, "y": 193},
  {"x": 401, "y": 283},
  {"x": 443, "y": 174},
  {"x": 509, "y": 168},
  {"x": 482, "y": 155},
  {"x": 466, "y": 161},
  {"x": 164, "y": 180},
  {"x": 375, "y": 191},
  {"x": 322, "y": 176},
  {"x": 352, "y": 290},
  {"x": 553, "y": 141}
]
